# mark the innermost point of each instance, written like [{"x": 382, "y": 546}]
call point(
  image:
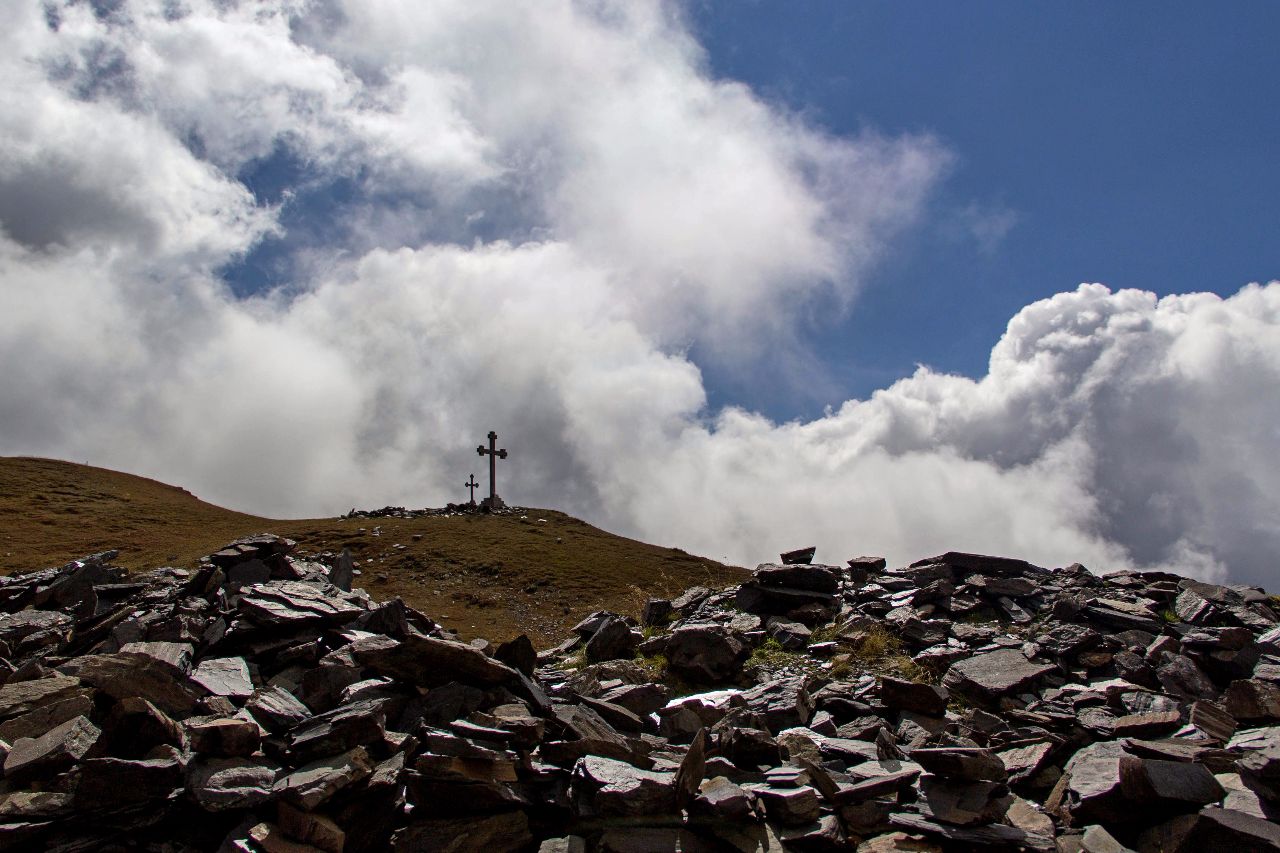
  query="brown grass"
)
[{"x": 483, "y": 576}]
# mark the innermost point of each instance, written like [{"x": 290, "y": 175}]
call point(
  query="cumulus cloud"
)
[{"x": 545, "y": 207}]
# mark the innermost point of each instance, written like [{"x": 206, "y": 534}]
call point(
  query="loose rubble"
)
[{"x": 963, "y": 702}]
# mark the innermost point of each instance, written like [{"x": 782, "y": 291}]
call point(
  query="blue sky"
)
[
  {"x": 1133, "y": 144},
  {"x": 725, "y": 276}
]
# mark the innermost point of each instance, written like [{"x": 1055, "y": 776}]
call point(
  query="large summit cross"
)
[{"x": 494, "y": 455}]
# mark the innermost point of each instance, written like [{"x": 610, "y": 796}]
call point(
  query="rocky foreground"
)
[{"x": 961, "y": 703}]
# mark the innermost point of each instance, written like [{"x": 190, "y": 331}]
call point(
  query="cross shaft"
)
[{"x": 494, "y": 455}]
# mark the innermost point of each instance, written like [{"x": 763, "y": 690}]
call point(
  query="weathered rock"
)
[
  {"x": 783, "y": 704},
  {"x": 224, "y": 677},
  {"x": 25, "y": 696},
  {"x": 705, "y": 654},
  {"x": 789, "y": 806},
  {"x": 902, "y": 695},
  {"x": 985, "y": 678},
  {"x": 1253, "y": 701},
  {"x": 222, "y": 784},
  {"x": 688, "y": 779},
  {"x": 1260, "y": 770},
  {"x": 1092, "y": 785},
  {"x": 800, "y": 556},
  {"x": 611, "y": 641},
  {"x": 126, "y": 674},
  {"x": 500, "y": 833},
  {"x": 432, "y": 662},
  {"x": 314, "y": 783},
  {"x": 518, "y": 654},
  {"x": 53, "y": 751},
  {"x": 337, "y": 731},
  {"x": 790, "y": 635},
  {"x": 964, "y": 763},
  {"x": 613, "y": 787},
  {"x": 1211, "y": 829},
  {"x": 720, "y": 798},
  {"x": 276, "y": 709},
  {"x": 961, "y": 803},
  {"x": 1168, "y": 784},
  {"x": 224, "y": 737}
]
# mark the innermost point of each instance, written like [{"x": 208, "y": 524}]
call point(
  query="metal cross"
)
[
  {"x": 494, "y": 456},
  {"x": 472, "y": 485}
]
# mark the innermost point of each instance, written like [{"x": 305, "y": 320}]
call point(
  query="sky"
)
[{"x": 882, "y": 279}]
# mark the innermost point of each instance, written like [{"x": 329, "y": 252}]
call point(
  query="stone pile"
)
[{"x": 259, "y": 703}]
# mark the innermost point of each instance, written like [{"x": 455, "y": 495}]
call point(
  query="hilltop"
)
[{"x": 538, "y": 571}]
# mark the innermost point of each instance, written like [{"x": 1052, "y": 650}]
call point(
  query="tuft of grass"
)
[
  {"x": 840, "y": 667},
  {"x": 873, "y": 644},
  {"x": 490, "y": 576},
  {"x": 903, "y": 666},
  {"x": 1169, "y": 616},
  {"x": 655, "y": 666},
  {"x": 771, "y": 655}
]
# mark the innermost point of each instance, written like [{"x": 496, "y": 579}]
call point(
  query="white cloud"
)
[{"x": 551, "y": 200}]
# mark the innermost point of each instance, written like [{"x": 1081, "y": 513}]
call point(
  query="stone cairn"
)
[{"x": 258, "y": 703}]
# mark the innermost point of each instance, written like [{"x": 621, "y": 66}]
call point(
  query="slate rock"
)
[
  {"x": 806, "y": 577},
  {"x": 1168, "y": 784},
  {"x": 1252, "y": 701},
  {"x": 25, "y": 696},
  {"x": 902, "y": 695},
  {"x": 429, "y": 661},
  {"x": 1212, "y": 829},
  {"x": 986, "y": 677},
  {"x": 53, "y": 751},
  {"x": 125, "y": 674},
  {"x": 961, "y": 803},
  {"x": 800, "y": 556},
  {"x": 962, "y": 763},
  {"x": 225, "y": 737},
  {"x": 788, "y": 806},
  {"x": 223, "y": 784},
  {"x": 611, "y": 641},
  {"x": 500, "y": 833},
  {"x": 312, "y": 784},
  {"x": 224, "y": 677},
  {"x": 718, "y": 797},
  {"x": 116, "y": 782},
  {"x": 286, "y": 602},
  {"x": 705, "y": 653},
  {"x": 783, "y": 703},
  {"x": 519, "y": 654},
  {"x": 614, "y": 787},
  {"x": 40, "y": 720},
  {"x": 1260, "y": 770},
  {"x": 656, "y": 613}
]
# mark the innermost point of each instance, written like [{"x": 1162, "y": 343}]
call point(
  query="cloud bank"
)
[{"x": 525, "y": 217}]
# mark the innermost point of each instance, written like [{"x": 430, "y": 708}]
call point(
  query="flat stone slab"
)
[
  {"x": 224, "y": 677},
  {"x": 994, "y": 674},
  {"x": 616, "y": 788},
  {"x": 55, "y": 750},
  {"x": 292, "y": 602}
]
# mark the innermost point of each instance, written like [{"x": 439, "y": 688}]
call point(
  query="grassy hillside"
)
[{"x": 486, "y": 576}]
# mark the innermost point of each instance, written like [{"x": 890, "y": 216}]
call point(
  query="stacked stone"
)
[{"x": 260, "y": 704}]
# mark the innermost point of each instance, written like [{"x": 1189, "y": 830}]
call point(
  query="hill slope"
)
[{"x": 489, "y": 576}]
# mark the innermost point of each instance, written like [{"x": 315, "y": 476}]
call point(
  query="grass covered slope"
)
[{"x": 483, "y": 576}]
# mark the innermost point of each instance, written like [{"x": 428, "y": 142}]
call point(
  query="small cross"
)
[
  {"x": 472, "y": 485},
  {"x": 494, "y": 455}
]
